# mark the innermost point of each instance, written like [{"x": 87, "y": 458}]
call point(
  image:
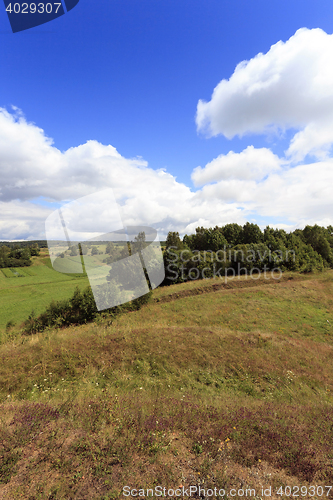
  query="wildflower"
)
[{"x": 234, "y": 428}]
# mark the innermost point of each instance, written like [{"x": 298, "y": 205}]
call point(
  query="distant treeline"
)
[
  {"x": 24, "y": 244},
  {"x": 17, "y": 254},
  {"x": 233, "y": 249}
]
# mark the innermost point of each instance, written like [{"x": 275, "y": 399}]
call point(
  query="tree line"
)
[
  {"x": 17, "y": 254},
  {"x": 234, "y": 249}
]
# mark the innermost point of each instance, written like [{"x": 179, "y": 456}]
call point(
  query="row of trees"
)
[
  {"x": 17, "y": 255},
  {"x": 234, "y": 249},
  {"x": 111, "y": 250}
]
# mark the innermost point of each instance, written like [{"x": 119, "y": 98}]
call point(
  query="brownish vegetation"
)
[{"x": 219, "y": 388}]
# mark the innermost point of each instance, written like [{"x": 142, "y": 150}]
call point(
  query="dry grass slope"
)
[{"x": 209, "y": 385}]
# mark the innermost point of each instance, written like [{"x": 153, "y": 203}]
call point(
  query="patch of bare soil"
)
[{"x": 229, "y": 286}]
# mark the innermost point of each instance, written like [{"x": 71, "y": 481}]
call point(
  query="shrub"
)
[{"x": 80, "y": 308}]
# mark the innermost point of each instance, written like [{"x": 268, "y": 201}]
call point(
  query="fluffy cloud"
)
[
  {"x": 302, "y": 194},
  {"x": 250, "y": 164},
  {"x": 291, "y": 86},
  {"x": 22, "y": 220},
  {"x": 32, "y": 167}
]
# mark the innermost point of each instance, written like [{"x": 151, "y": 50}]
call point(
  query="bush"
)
[{"x": 79, "y": 309}]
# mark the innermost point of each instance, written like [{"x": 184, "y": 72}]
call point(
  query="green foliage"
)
[
  {"x": 34, "y": 250},
  {"x": 15, "y": 256},
  {"x": 173, "y": 240},
  {"x": 233, "y": 233},
  {"x": 251, "y": 233},
  {"x": 247, "y": 248},
  {"x": 80, "y": 308},
  {"x": 319, "y": 239}
]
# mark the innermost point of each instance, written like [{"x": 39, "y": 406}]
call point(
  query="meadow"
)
[
  {"x": 211, "y": 385},
  {"x": 30, "y": 288},
  {"x": 27, "y": 289}
]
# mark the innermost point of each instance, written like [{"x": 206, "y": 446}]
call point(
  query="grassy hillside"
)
[{"x": 211, "y": 384}]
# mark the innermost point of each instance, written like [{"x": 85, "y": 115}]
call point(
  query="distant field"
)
[{"x": 25, "y": 288}]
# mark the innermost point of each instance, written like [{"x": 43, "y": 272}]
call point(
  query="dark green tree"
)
[
  {"x": 173, "y": 240},
  {"x": 252, "y": 233},
  {"x": 233, "y": 233}
]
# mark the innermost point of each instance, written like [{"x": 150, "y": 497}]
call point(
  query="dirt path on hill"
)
[{"x": 232, "y": 285}]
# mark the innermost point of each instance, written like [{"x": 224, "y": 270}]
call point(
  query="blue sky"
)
[{"x": 130, "y": 74}]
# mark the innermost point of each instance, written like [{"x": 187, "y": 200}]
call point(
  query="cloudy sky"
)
[{"x": 195, "y": 113}]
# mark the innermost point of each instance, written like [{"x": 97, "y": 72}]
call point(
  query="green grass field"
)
[
  {"x": 205, "y": 386},
  {"x": 33, "y": 288}
]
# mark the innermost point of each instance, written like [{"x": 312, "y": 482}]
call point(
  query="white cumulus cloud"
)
[
  {"x": 291, "y": 86},
  {"x": 31, "y": 168},
  {"x": 252, "y": 163}
]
